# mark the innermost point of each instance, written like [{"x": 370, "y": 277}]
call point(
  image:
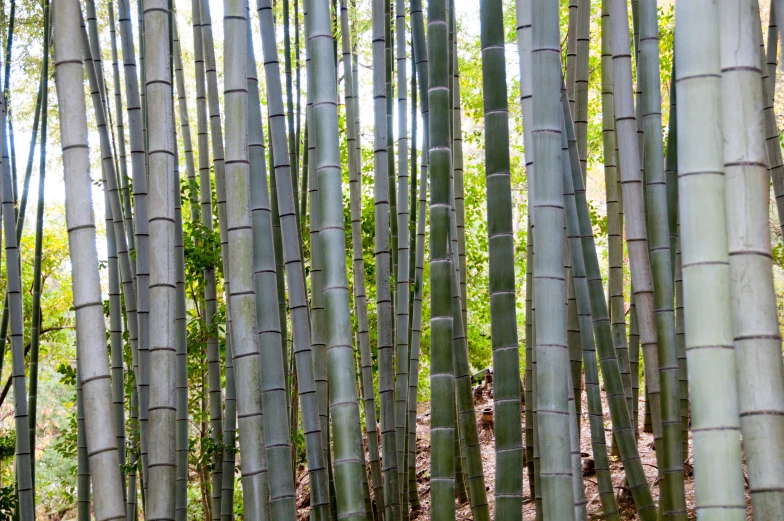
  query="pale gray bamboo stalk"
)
[
  {"x": 93, "y": 367},
  {"x": 163, "y": 183},
  {"x": 122, "y": 154},
  {"x": 137, "y": 309},
  {"x": 219, "y": 169},
  {"x": 754, "y": 314},
  {"x": 706, "y": 271},
  {"x": 775, "y": 162},
  {"x": 294, "y": 273},
  {"x": 358, "y": 272},
  {"x": 634, "y": 206}
]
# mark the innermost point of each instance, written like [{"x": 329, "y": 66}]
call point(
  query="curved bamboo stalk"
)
[
  {"x": 706, "y": 269},
  {"x": 619, "y": 411},
  {"x": 592, "y": 386},
  {"x": 506, "y": 349},
  {"x": 384, "y": 266},
  {"x": 614, "y": 225},
  {"x": 93, "y": 365},
  {"x": 294, "y": 272},
  {"x": 348, "y": 460},
  {"x": 274, "y": 395},
  {"x": 360, "y": 298},
  {"x": 35, "y": 333},
  {"x": 632, "y": 193},
  {"x": 755, "y": 325}
]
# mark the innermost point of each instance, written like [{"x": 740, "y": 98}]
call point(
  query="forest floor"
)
[{"x": 487, "y": 440}]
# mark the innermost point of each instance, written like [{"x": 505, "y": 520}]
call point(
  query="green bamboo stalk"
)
[
  {"x": 131, "y": 491},
  {"x": 115, "y": 336},
  {"x": 247, "y": 356},
  {"x": 506, "y": 356},
  {"x": 571, "y": 51},
  {"x": 673, "y": 496},
  {"x": 291, "y": 248},
  {"x": 632, "y": 191},
  {"x": 614, "y": 225},
  {"x": 775, "y": 162},
  {"x": 549, "y": 286},
  {"x": 671, "y": 174},
  {"x": 592, "y": 386},
  {"x": 93, "y": 365},
  {"x": 293, "y": 146},
  {"x": 384, "y": 266},
  {"x": 82, "y": 463},
  {"x": 634, "y": 365},
  {"x": 360, "y": 298},
  {"x": 619, "y": 411},
  {"x": 35, "y": 333},
  {"x": 340, "y": 357},
  {"x": 755, "y": 325},
  {"x": 317, "y": 330},
  {"x": 402, "y": 280},
  {"x": 122, "y": 154},
  {"x": 389, "y": 67},
  {"x": 771, "y": 55},
  {"x": 219, "y": 169},
  {"x": 420, "y": 65},
  {"x": 136, "y": 321},
  {"x": 274, "y": 394},
  {"x": 706, "y": 271},
  {"x": 442, "y": 424}
]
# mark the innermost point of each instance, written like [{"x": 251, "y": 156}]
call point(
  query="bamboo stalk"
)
[
  {"x": 706, "y": 269},
  {"x": 754, "y": 315}
]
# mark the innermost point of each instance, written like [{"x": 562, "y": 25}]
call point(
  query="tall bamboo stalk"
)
[
  {"x": 360, "y": 298},
  {"x": 384, "y": 269},
  {"x": 706, "y": 268},
  {"x": 549, "y": 286},
  {"x": 35, "y": 333},
  {"x": 293, "y": 145},
  {"x": 158, "y": 74},
  {"x": 755, "y": 324},
  {"x": 592, "y": 386},
  {"x": 402, "y": 278},
  {"x": 348, "y": 460},
  {"x": 619, "y": 411},
  {"x": 82, "y": 463},
  {"x": 632, "y": 193},
  {"x": 506, "y": 356},
  {"x": 294, "y": 273},
  {"x": 274, "y": 396},
  {"x": 673, "y": 503},
  {"x": 93, "y": 366},
  {"x": 442, "y": 424}
]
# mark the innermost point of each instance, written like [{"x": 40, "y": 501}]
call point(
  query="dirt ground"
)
[{"x": 625, "y": 504}]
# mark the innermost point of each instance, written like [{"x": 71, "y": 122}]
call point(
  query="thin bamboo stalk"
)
[
  {"x": 619, "y": 411},
  {"x": 82, "y": 463},
  {"x": 291, "y": 248},
  {"x": 384, "y": 267}
]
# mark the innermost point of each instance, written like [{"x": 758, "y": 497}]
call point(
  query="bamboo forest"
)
[{"x": 381, "y": 260}]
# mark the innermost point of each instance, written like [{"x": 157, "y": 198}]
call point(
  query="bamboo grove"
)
[{"x": 239, "y": 235}]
